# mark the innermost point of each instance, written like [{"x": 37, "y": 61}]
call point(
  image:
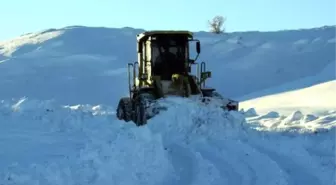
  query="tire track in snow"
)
[
  {"x": 236, "y": 163},
  {"x": 225, "y": 168},
  {"x": 297, "y": 172},
  {"x": 326, "y": 162},
  {"x": 183, "y": 162},
  {"x": 245, "y": 161},
  {"x": 197, "y": 168}
]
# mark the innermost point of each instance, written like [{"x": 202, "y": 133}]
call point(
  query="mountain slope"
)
[
  {"x": 327, "y": 74},
  {"x": 318, "y": 97},
  {"x": 67, "y": 64}
]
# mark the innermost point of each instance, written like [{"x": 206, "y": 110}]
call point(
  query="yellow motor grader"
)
[{"x": 163, "y": 69}]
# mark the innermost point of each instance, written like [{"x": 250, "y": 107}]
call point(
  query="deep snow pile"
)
[{"x": 46, "y": 143}]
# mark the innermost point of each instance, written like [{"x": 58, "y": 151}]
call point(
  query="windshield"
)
[
  {"x": 178, "y": 49},
  {"x": 169, "y": 56}
]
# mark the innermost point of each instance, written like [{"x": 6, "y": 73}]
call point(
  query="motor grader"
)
[{"x": 163, "y": 69}]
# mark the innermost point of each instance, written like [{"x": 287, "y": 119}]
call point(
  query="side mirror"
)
[{"x": 198, "y": 47}]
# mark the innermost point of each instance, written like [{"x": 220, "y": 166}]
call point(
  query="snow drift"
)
[{"x": 85, "y": 145}]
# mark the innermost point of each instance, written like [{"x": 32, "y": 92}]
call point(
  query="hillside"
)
[
  {"x": 41, "y": 65},
  {"x": 314, "y": 99}
]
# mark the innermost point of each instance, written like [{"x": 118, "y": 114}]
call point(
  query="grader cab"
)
[{"x": 163, "y": 69}]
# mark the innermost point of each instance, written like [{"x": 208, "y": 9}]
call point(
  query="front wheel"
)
[
  {"x": 140, "y": 117},
  {"x": 124, "y": 110},
  {"x": 142, "y": 104}
]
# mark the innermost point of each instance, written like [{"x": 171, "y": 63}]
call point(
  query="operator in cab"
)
[{"x": 168, "y": 63}]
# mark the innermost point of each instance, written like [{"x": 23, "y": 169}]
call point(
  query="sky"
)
[{"x": 24, "y": 16}]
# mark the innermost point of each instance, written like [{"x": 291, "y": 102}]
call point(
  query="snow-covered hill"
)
[
  {"x": 46, "y": 142},
  {"x": 314, "y": 99},
  {"x": 88, "y": 65}
]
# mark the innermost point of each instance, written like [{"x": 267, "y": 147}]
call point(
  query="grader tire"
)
[{"x": 124, "y": 110}]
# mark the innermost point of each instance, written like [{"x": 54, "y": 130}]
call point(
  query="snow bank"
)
[
  {"x": 296, "y": 121},
  {"x": 107, "y": 150},
  {"x": 187, "y": 144},
  {"x": 251, "y": 112}
]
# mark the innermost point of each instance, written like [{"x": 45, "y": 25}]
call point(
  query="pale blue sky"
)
[{"x": 22, "y": 16}]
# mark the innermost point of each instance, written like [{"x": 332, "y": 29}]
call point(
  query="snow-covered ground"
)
[
  {"x": 65, "y": 131},
  {"x": 45, "y": 143}
]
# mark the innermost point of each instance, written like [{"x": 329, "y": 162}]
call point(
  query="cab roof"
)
[{"x": 146, "y": 34}]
